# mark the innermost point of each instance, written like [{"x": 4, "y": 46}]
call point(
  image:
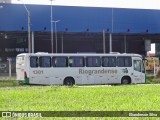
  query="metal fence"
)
[{"x": 8, "y": 69}]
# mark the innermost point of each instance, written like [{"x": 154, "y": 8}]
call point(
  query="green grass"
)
[
  {"x": 8, "y": 83},
  {"x": 153, "y": 81},
  {"x": 111, "y": 98},
  {"x": 16, "y": 97}
]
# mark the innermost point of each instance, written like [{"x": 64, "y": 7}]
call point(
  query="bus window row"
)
[{"x": 80, "y": 61}]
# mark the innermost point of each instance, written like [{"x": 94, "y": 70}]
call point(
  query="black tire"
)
[
  {"x": 69, "y": 82},
  {"x": 125, "y": 80}
]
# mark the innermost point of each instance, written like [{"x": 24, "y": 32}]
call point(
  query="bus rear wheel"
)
[
  {"x": 69, "y": 81},
  {"x": 126, "y": 80}
]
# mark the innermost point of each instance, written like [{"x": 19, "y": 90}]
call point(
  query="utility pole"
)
[
  {"x": 51, "y": 28},
  {"x": 29, "y": 33},
  {"x": 29, "y": 28},
  {"x": 110, "y": 35},
  {"x": 104, "y": 42},
  {"x": 55, "y": 30}
]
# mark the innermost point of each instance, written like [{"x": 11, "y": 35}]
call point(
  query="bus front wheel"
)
[
  {"x": 69, "y": 81},
  {"x": 126, "y": 80}
]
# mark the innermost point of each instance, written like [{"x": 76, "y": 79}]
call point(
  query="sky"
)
[
  {"x": 152, "y": 48},
  {"x": 142, "y": 4}
]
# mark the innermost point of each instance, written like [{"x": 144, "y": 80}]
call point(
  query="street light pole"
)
[
  {"x": 51, "y": 28},
  {"x": 62, "y": 42},
  {"x": 110, "y": 35},
  {"x": 29, "y": 33},
  {"x": 29, "y": 28},
  {"x": 55, "y": 27},
  {"x": 104, "y": 42}
]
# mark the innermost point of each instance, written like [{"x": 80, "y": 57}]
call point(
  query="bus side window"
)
[
  {"x": 124, "y": 61},
  {"x": 109, "y": 61},
  {"x": 76, "y": 61},
  {"x": 93, "y": 61},
  {"x": 60, "y": 61},
  {"x": 45, "y": 61},
  {"x": 137, "y": 65},
  {"x": 33, "y": 61}
]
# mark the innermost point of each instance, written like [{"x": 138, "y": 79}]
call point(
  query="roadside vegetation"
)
[
  {"x": 151, "y": 79},
  {"x": 61, "y": 98},
  {"x": 15, "y": 97},
  {"x": 8, "y": 82}
]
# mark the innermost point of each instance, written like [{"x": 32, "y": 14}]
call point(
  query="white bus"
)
[{"x": 69, "y": 69}]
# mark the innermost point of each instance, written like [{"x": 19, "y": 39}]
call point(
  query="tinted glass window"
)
[
  {"x": 45, "y": 61},
  {"x": 124, "y": 61},
  {"x": 60, "y": 61},
  {"x": 109, "y": 61},
  {"x": 137, "y": 65},
  {"x": 34, "y": 61},
  {"x": 93, "y": 61},
  {"x": 76, "y": 61}
]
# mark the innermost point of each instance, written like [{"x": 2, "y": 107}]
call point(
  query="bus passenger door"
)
[{"x": 138, "y": 71}]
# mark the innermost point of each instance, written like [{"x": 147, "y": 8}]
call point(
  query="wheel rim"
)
[
  {"x": 69, "y": 83},
  {"x": 125, "y": 81}
]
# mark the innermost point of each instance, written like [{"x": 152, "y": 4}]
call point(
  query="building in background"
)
[
  {"x": 5, "y": 1},
  {"x": 80, "y": 29}
]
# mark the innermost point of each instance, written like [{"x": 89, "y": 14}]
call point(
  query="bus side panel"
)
[
  {"x": 36, "y": 76},
  {"x": 57, "y": 76},
  {"x": 112, "y": 75},
  {"x": 46, "y": 76}
]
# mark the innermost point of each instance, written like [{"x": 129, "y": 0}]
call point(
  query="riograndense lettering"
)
[{"x": 99, "y": 71}]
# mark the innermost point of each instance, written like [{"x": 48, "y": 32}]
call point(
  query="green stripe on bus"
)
[{"x": 26, "y": 81}]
